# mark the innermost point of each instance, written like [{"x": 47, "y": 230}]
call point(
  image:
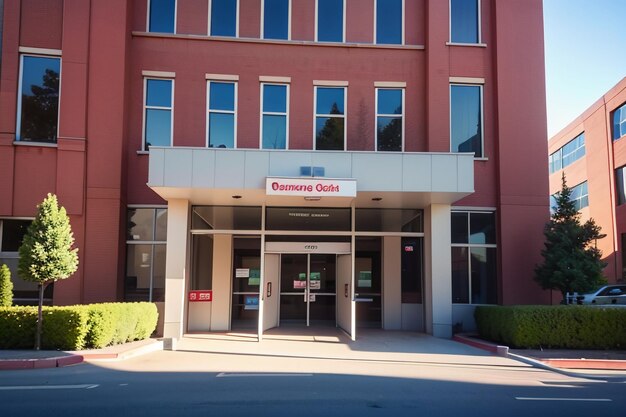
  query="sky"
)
[{"x": 585, "y": 46}]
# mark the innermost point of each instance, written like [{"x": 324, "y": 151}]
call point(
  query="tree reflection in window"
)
[
  {"x": 330, "y": 131},
  {"x": 39, "y": 99}
]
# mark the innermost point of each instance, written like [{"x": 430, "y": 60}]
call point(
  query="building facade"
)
[
  {"x": 591, "y": 153},
  {"x": 263, "y": 163}
]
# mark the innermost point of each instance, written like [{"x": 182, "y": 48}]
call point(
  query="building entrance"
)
[{"x": 308, "y": 289}]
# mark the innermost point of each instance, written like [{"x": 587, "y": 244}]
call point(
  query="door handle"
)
[{"x": 269, "y": 289}]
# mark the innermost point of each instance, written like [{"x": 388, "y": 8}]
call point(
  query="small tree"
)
[
  {"x": 46, "y": 254},
  {"x": 6, "y": 287},
  {"x": 572, "y": 262}
]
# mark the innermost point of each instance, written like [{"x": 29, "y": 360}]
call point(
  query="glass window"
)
[
  {"x": 276, "y": 19},
  {"x": 474, "y": 262},
  {"x": 226, "y": 218},
  {"x": 464, "y": 18},
  {"x": 580, "y": 196},
  {"x": 224, "y": 17},
  {"x": 389, "y": 22},
  {"x": 162, "y": 16},
  {"x": 555, "y": 161},
  {"x": 298, "y": 218},
  {"x": 330, "y": 131},
  {"x": 274, "y": 125},
  {"x": 411, "y": 274},
  {"x": 330, "y": 20},
  {"x": 389, "y": 119},
  {"x": 569, "y": 153},
  {"x": 466, "y": 119},
  {"x": 222, "y": 114},
  {"x": 619, "y": 122},
  {"x": 12, "y": 233},
  {"x": 158, "y": 113},
  {"x": 620, "y": 185},
  {"x": 389, "y": 220},
  {"x": 38, "y": 99}
]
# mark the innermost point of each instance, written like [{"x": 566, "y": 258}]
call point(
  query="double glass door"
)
[{"x": 308, "y": 289}]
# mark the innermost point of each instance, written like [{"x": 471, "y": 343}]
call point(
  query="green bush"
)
[
  {"x": 6, "y": 287},
  {"x": 77, "y": 327},
  {"x": 568, "y": 327}
]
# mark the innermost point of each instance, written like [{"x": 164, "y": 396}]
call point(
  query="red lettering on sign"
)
[{"x": 201, "y": 295}]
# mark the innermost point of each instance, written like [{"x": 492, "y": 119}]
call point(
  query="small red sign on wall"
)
[{"x": 201, "y": 295}]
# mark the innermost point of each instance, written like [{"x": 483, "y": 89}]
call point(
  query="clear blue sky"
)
[{"x": 585, "y": 55}]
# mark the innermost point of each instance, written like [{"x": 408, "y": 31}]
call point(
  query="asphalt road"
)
[{"x": 189, "y": 384}]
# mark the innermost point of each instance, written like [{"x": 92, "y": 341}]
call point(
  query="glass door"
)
[{"x": 308, "y": 289}]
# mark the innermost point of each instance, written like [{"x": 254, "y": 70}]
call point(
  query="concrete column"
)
[
  {"x": 438, "y": 270},
  {"x": 175, "y": 267}
]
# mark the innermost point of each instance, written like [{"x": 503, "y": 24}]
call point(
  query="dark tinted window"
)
[
  {"x": 226, "y": 218},
  {"x": 464, "y": 21},
  {"x": 13, "y": 232},
  {"x": 459, "y": 227},
  {"x": 330, "y": 20},
  {"x": 389, "y": 21},
  {"x": 620, "y": 185},
  {"x": 482, "y": 228},
  {"x": 411, "y": 280},
  {"x": 162, "y": 15},
  {"x": 466, "y": 119},
  {"x": 389, "y": 220},
  {"x": 276, "y": 19},
  {"x": 223, "y": 17},
  {"x": 297, "y": 218}
]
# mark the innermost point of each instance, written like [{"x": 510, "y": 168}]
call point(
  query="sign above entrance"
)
[
  {"x": 308, "y": 247},
  {"x": 310, "y": 187}
]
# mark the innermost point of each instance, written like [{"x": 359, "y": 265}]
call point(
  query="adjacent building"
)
[
  {"x": 591, "y": 153},
  {"x": 263, "y": 163}
]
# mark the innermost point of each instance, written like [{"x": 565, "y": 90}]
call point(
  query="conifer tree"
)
[
  {"x": 46, "y": 254},
  {"x": 6, "y": 287},
  {"x": 572, "y": 262}
]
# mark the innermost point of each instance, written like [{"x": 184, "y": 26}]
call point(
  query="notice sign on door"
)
[{"x": 200, "y": 295}]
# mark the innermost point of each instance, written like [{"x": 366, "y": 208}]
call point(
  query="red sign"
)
[
  {"x": 201, "y": 295},
  {"x": 408, "y": 248}
]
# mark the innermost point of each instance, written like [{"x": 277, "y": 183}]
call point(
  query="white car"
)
[{"x": 609, "y": 294}]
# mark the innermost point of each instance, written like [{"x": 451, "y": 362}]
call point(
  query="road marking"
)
[
  {"x": 36, "y": 387},
  {"x": 236, "y": 375},
  {"x": 563, "y": 399}
]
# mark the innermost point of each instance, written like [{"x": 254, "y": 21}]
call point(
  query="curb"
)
[
  {"x": 59, "y": 362},
  {"x": 142, "y": 350}
]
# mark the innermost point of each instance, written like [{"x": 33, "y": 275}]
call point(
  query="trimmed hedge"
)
[
  {"x": 77, "y": 327},
  {"x": 567, "y": 327}
]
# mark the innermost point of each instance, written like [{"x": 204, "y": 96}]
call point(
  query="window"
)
[
  {"x": 466, "y": 119},
  {"x": 474, "y": 258},
  {"x": 571, "y": 152},
  {"x": 580, "y": 196},
  {"x": 330, "y": 126},
  {"x": 389, "y": 22},
  {"x": 389, "y": 119},
  {"x": 146, "y": 238},
  {"x": 276, "y": 24},
  {"x": 38, "y": 100},
  {"x": 411, "y": 274},
  {"x": 274, "y": 118},
  {"x": 158, "y": 114},
  {"x": 620, "y": 185},
  {"x": 465, "y": 21},
  {"x": 619, "y": 122},
  {"x": 224, "y": 21},
  {"x": 222, "y": 115},
  {"x": 330, "y": 20},
  {"x": 162, "y": 16}
]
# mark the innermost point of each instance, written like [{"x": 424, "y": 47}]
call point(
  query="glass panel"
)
[
  {"x": 245, "y": 311},
  {"x": 158, "y": 127},
  {"x": 295, "y": 218},
  {"x": 222, "y": 96},
  {"x": 202, "y": 272},
  {"x": 138, "y": 265},
  {"x": 368, "y": 314},
  {"x": 223, "y": 17},
  {"x": 159, "y": 93},
  {"x": 464, "y": 21},
  {"x": 161, "y": 225},
  {"x": 389, "y": 101},
  {"x": 139, "y": 224},
  {"x": 323, "y": 273},
  {"x": 13, "y": 232},
  {"x": 274, "y": 132},
  {"x": 623, "y": 250},
  {"x": 466, "y": 119},
  {"x": 368, "y": 266},
  {"x": 329, "y": 134},
  {"x": 620, "y": 185},
  {"x": 158, "y": 273},
  {"x": 389, "y": 131},
  {"x": 389, "y": 220},
  {"x": 330, "y": 101},
  {"x": 483, "y": 228},
  {"x": 293, "y": 280},
  {"x": 276, "y": 19},
  {"x": 411, "y": 255},
  {"x": 459, "y": 227},
  {"x": 226, "y": 218},
  {"x": 330, "y": 20},
  {"x": 275, "y": 98},
  {"x": 162, "y": 14},
  {"x": 389, "y": 21},
  {"x": 460, "y": 275},
  {"x": 221, "y": 130},
  {"x": 322, "y": 310},
  {"x": 247, "y": 255},
  {"x": 39, "y": 99},
  {"x": 484, "y": 276}
]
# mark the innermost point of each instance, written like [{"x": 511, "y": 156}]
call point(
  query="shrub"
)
[
  {"x": 6, "y": 287},
  {"x": 569, "y": 327},
  {"x": 78, "y": 327}
]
